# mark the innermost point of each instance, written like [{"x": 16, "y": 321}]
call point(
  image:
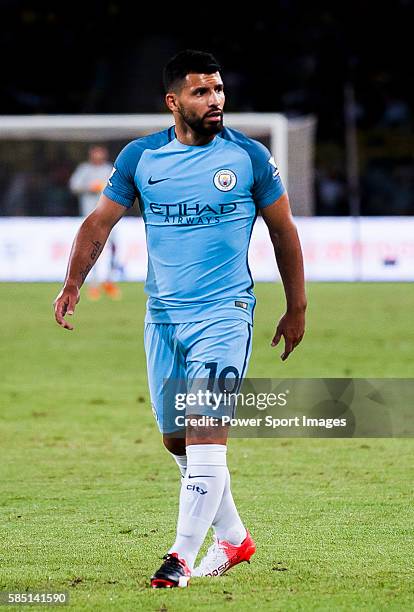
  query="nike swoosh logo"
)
[
  {"x": 151, "y": 182},
  {"x": 201, "y": 476}
]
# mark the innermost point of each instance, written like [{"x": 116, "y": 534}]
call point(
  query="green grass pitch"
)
[{"x": 88, "y": 496}]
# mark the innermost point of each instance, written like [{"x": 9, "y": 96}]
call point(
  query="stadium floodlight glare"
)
[{"x": 291, "y": 140}]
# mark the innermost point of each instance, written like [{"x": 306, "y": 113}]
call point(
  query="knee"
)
[{"x": 176, "y": 446}]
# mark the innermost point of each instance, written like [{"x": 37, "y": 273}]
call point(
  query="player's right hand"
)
[{"x": 65, "y": 304}]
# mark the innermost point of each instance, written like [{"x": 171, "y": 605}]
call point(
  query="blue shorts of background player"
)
[{"x": 178, "y": 353}]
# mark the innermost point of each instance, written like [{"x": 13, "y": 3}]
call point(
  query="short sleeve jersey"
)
[{"x": 199, "y": 205}]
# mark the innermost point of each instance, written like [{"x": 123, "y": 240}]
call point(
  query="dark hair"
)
[{"x": 186, "y": 62}]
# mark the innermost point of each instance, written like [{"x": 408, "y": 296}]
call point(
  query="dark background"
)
[{"x": 290, "y": 57}]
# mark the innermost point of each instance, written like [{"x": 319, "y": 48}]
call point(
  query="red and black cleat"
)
[{"x": 174, "y": 572}]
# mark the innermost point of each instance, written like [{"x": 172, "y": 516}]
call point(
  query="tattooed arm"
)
[{"x": 86, "y": 248}]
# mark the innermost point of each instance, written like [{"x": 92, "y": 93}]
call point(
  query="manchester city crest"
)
[{"x": 225, "y": 180}]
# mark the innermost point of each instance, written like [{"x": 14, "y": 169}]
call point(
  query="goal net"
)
[{"x": 38, "y": 153}]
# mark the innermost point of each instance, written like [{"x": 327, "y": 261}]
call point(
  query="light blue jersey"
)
[{"x": 199, "y": 204}]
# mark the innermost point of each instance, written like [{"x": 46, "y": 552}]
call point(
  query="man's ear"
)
[{"x": 171, "y": 101}]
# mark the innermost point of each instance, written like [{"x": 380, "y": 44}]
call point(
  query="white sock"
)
[
  {"x": 181, "y": 461},
  {"x": 227, "y": 523},
  {"x": 201, "y": 492}
]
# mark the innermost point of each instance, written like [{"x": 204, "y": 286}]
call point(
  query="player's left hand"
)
[{"x": 292, "y": 327}]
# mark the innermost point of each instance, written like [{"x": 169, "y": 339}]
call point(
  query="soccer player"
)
[
  {"x": 200, "y": 186},
  {"x": 88, "y": 181}
]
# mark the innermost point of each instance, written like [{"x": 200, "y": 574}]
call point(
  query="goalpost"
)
[{"x": 291, "y": 141}]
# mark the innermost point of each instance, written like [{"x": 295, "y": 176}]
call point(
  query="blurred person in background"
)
[{"x": 87, "y": 182}]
